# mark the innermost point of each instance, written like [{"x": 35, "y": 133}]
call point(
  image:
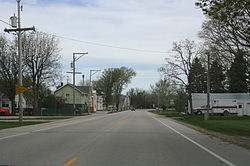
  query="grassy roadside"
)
[
  {"x": 5, "y": 125},
  {"x": 230, "y": 125},
  {"x": 39, "y": 118}
]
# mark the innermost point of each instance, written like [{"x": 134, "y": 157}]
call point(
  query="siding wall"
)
[{"x": 67, "y": 93}]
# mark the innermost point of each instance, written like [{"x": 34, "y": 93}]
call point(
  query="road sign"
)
[{"x": 20, "y": 89}]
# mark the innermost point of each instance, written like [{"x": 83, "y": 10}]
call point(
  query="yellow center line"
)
[
  {"x": 115, "y": 127},
  {"x": 125, "y": 119},
  {"x": 70, "y": 162}
]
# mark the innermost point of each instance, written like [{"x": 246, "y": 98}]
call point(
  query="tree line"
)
[
  {"x": 41, "y": 66},
  {"x": 225, "y": 36},
  {"x": 163, "y": 94}
]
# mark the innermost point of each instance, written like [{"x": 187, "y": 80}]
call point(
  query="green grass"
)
[
  {"x": 230, "y": 125},
  {"x": 48, "y": 118},
  {"x": 168, "y": 113},
  {"x": 41, "y": 118},
  {"x": 5, "y": 125}
]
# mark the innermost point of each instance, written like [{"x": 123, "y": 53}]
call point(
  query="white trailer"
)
[
  {"x": 219, "y": 106},
  {"x": 235, "y": 103}
]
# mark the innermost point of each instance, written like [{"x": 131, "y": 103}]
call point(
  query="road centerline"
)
[{"x": 71, "y": 161}]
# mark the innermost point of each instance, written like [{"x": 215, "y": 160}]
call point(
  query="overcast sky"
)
[{"x": 137, "y": 24}]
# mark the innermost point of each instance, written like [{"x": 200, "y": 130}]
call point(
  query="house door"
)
[{"x": 240, "y": 109}]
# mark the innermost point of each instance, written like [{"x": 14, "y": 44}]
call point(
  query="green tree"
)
[
  {"x": 164, "y": 91},
  {"x": 8, "y": 69},
  {"x": 49, "y": 100},
  {"x": 233, "y": 14},
  {"x": 104, "y": 85},
  {"x": 137, "y": 97},
  {"x": 197, "y": 77},
  {"x": 217, "y": 78},
  {"x": 237, "y": 75},
  {"x": 112, "y": 82},
  {"x": 180, "y": 101},
  {"x": 228, "y": 24},
  {"x": 122, "y": 77}
]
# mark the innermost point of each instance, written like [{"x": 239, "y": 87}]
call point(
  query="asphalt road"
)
[{"x": 122, "y": 139}]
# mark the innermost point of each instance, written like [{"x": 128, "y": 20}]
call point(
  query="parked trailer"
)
[{"x": 199, "y": 101}]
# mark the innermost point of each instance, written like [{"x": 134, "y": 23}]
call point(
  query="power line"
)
[
  {"x": 103, "y": 45},
  {"x": 5, "y": 22},
  {"x": 111, "y": 46}
]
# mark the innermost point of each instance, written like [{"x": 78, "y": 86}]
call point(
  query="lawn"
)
[
  {"x": 40, "y": 118},
  {"x": 230, "y": 125},
  {"x": 5, "y": 125}
]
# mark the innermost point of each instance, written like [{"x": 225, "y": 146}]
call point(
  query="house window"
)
[
  {"x": 240, "y": 106},
  {"x": 5, "y": 104},
  {"x": 67, "y": 95}
]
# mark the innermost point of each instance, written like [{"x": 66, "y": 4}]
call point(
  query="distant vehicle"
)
[
  {"x": 219, "y": 106},
  {"x": 4, "y": 111},
  {"x": 133, "y": 109}
]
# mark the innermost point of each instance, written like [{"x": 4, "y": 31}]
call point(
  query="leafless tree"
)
[
  {"x": 42, "y": 62},
  {"x": 178, "y": 66},
  {"x": 225, "y": 40}
]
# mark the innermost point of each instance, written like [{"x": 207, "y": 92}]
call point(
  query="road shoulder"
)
[{"x": 237, "y": 140}]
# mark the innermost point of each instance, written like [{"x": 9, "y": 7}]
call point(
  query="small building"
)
[
  {"x": 82, "y": 95},
  {"x": 242, "y": 99}
]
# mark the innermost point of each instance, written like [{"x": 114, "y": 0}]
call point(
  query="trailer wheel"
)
[{"x": 226, "y": 113}]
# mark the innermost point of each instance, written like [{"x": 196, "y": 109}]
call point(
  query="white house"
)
[
  {"x": 6, "y": 103},
  {"x": 242, "y": 99}
]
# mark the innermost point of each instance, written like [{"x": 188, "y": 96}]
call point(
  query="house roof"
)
[
  {"x": 84, "y": 89},
  {"x": 81, "y": 89}
]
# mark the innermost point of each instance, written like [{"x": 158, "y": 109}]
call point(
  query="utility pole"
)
[
  {"x": 91, "y": 87},
  {"x": 19, "y": 31},
  {"x": 74, "y": 73},
  {"x": 206, "y": 115}
]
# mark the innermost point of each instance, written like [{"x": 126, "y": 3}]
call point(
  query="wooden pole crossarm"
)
[{"x": 19, "y": 29}]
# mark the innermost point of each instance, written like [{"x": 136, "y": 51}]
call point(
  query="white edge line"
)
[
  {"x": 2, "y": 138},
  {"x": 199, "y": 145}
]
